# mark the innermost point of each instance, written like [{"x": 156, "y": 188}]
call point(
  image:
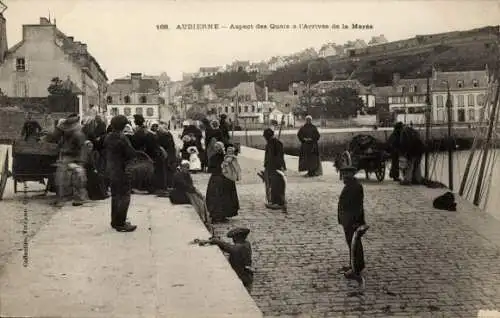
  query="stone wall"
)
[
  {"x": 12, "y": 120},
  {"x": 335, "y": 141}
]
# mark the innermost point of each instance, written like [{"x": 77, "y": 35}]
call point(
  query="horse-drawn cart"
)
[
  {"x": 364, "y": 153},
  {"x": 31, "y": 161}
]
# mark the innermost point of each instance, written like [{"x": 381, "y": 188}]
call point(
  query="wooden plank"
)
[
  {"x": 5, "y": 175},
  {"x": 34, "y": 148}
]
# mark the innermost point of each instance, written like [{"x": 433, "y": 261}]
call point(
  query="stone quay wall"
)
[{"x": 336, "y": 140}]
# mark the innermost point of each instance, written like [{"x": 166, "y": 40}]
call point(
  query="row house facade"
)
[
  {"x": 135, "y": 95},
  {"x": 468, "y": 90},
  {"x": 44, "y": 53},
  {"x": 407, "y": 99},
  {"x": 207, "y": 71},
  {"x": 247, "y": 103}
]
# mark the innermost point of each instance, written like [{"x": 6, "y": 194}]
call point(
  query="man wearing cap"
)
[
  {"x": 274, "y": 165},
  {"x": 351, "y": 215},
  {"x": 240, "y": 254},
  {"x": 393, "y": 144},
  {"x": 70, "y": 172},
  {"x": 119, "y": 152}
]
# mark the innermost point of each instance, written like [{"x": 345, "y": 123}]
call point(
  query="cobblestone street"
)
[{"x": 421, "y": 262}]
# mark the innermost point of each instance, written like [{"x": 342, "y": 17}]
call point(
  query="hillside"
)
[{"x": 414, "y": 58}]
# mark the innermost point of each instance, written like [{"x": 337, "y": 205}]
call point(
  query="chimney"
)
[
  {"x": 44, "y": 21},
  {"x": 395, "y": 78},
  {"x": 3, "y": 38},
  {"x": 71, "y": 39},
  {"x": 136, "y": 80}
]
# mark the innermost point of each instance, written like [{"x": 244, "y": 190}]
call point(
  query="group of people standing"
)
[{"x": 406, "y": 148}]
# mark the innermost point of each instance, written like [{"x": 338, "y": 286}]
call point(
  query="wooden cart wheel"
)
[
  {"x": 380, "y": 173},
  {"x": 5, "y": 175}
]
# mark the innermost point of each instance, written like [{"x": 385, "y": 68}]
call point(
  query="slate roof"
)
[
  {"x": 124, "y": 85},
  {"x": 467, "y": 77}
]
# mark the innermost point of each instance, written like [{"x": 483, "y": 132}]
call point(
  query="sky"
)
[{"x": 123, "y": 35}]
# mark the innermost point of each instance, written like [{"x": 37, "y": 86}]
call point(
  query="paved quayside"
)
[
  {"x": 80, "y": 267},
  {"x": 421, "y": 262}
]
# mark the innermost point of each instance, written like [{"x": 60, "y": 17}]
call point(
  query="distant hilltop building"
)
[{"x": 378, "y": 40}]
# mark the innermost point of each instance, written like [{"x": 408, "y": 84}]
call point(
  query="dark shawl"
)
[{"x": 274, "y": 157}]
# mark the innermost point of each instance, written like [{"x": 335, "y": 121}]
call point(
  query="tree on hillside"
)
[{"x": 339, "y": 103}]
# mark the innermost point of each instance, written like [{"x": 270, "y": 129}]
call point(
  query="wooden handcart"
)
[{"x": 31, "y": 161}]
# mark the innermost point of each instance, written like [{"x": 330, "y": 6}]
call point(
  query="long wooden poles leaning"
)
[
  {"x": 427, "y": 129},
  {"x": 236, "y": 106},
  {"x": 491, "y": 124},
  {"x": 451, "y": 142}
]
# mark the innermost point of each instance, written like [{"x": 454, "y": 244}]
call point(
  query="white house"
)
[
  {"x": 45, "y": 52},
  {"x": 468, "y": 91},
  {"x": 287, "y": 119},
  {"x": 365, "y": 93},
  {"x": 135, "y": 95}
]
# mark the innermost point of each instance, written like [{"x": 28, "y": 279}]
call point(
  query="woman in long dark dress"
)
[
  {"x": 96, "y": 183},
  {"x": 222, "y": 198},
  {"x": 182, "y": 185},
  {"x": 309, "y": 159}
]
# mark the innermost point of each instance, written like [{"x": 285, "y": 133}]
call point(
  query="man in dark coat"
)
[
  {"x": 351, "y": 215},
  {"x": 119, "y": 152},
  {"x": 274, "y": 165},
  {"x": 31, "y": 128},
  {"x": 412, "y": 148},
  {"x": 309, "y": 159},
  {"x": 224, "y": 127},
  {"x": 393, "y": 144},
  {"x": 144, "y": 139}
]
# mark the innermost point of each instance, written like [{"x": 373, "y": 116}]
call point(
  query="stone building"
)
[
  {"x": 468, "y": 91},
  {"x": 135, "y": 94},
  {"x": 45, "y": 52}
]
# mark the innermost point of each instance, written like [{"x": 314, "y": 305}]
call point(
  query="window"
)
[
  {"x": 402, "y": 89},
  {"x": 259, "y": 110},
  {"x": 127, "y": 111},
  {"x": 461, "y": 100},
  {"x": 109, "y": 99},
  {"x": 460, "y": 84},
  {"x": 461, "y": 115},
  {"x": 481, "y": 114},
  {"x": 475, "y": 83},
  {"x": 410, "y": 99},
  {"x": 143, "y": 99},
  {"x": 226, "y": 109},
  {"x": 114, "y": 111},
  {"x": 138, "y": 110},
  {"x": 246, "y": 109},
  {"x": 415, "y": 88},
  {"x": 219, "y": 110},
  {"x": 239, "y": 109},
  {"x": 20, "y": 64},
  {"x": 411, "y": 89},
  {"x": 126, "y": 99},
  {"x": 253, "y": 109},
  {"x": 470, "y": 100},
  {"x": 295, "y": 93},
  {"x": 480, "y": 99},
  {"x": 232, "y": 109},
  {"x": 440, "y": 115},
  {"x": 440, "y": 101},
  {"x": 150, "y": 112},
  {"x": 472, "y": 114}
]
